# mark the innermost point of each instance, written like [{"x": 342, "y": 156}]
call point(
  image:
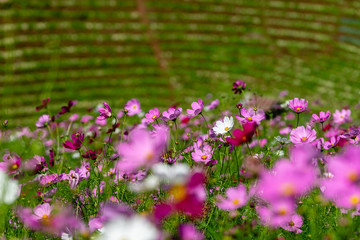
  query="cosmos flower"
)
[
  {"x": 242, "y": 136},
  {"x": 251, "y": 116},
  {"x": 75, "y": 144},
  {"x": 132, "y": 107},
  {"x": 321, "y": 118},
  {"x": 152, "y": 115},
  {"x": 196, "y": 108},
  {"x": 342, "y": 116},
  {"x": 202, "y": 154},
  {"x": 331, "y": 143},
  {"x": 222, "y": 127},
  {"x": 239, "y": 86},
  {"x": 171, "y": 114},
  {"x": 297, "y": 105},
  {"x": 294, "y": 224},
  {"x": 212, "y": 105},
  {"x": 301, "y": 135},
  {"x": 188, "y": 231},
  {"x": 11, "y": 164},
  {"x": 105, "y": 112},
  {"x": 43, "y": 121},
  {"x": 235, "y": 198}
]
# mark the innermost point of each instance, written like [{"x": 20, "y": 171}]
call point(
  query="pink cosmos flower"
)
[
  {"x": 141, "y": 151},
  {"x": 74, "y": 117},
  {"x": 297, "y": 105},
  {"x": 86, "y": 118},
  {"x": 294, "y": 224},
  {"x": 331, "y": 143},
  {"x": 343, "y": 188},
  {"x": 235, "y": 198},
  {"x": 285, "y": 131},
  {"x": 213, "y": 105},
  {"x": 104, "y": 112},
  {"x": 251, "y": 116},
  {"x": 47, "y": 180},
  {"x": 300, "y": 135},
  {"x": 202, "y": 154},
  {"x": 11, "y": 164},
  {"x": 47, "y": 219},
  {"x": 132, "y": 107},
  {"x": 188, "y": 231},
  {"x": 43, "y": 121},
  {"x": 152, "y": 115},
  {"x": 239, "y": 86},
  {"x": 171, "y": 114},
  {"x": 197, "y": 108},
  {"x": 342, "y": 117},
  {"x": 75, "y": 144},
  {"x": 321, "y": 118},
  {"x": 277, "y": 214}
]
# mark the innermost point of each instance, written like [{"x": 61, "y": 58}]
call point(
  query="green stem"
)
[
  {"x": 297, "y": 120},
  {"x": 123, "y": 127}
]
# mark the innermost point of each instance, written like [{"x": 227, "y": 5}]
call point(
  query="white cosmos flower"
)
[
  {"x": 9, "y": 189},
  {"x": 222, "y": 127},
  {"x": 129, "y": 228}
]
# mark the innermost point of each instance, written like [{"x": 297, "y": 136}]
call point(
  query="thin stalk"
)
[
  {"x": 297, "y": 119},
  {"x": 249, "y": 149},
  {"x": 237, "y": 165},
  {"x": 123, "y": 127},
  {"x": 207, "y": 125}
]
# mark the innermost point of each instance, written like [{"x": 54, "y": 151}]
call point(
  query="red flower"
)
[{"x": 243, "y": 136}]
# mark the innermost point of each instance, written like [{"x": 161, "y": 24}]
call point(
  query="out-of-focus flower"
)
[
  {"x": 212, "y": 105},
  {"x": 301, "y": 135},
  {"x": 222, "y": 127},
  {"x": 90, "y": 154},
  {"x": 130, "y": 228},
  {"x": 11, "y": 164},
  {"x": 197, "y": 108},
  {"x": 281, "y": 140},
  {"x": 331, "y": 143},
  {"x": 105, "y": 112},
  {"x": 251, "y": 116},
  {"x": 74, "y": 117},
  {"x": 75, "y": 144},
  {"x": 171, "y": 114},
  {"x": 86, "y": 118},
  {"x": 235, "y": 198},
  {"x": 142, "y": 150},
  {"x": 132, "y": 107},
  {"x": 277, "y": 214},
  {"x": 44, "y": 104},
  {"x": 239, "y": 86},
  {"x": 9, "y": 189},
  {"x": 342, "y": 116},
  {"x": 188, "y": 231},
  {"x": 321, "y": 118},
  {"x": 43, "y": 121},
  {"x": 297, "y": 105}
]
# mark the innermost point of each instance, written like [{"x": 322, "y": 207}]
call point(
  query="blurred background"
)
[{"x": 173, "y": 51}]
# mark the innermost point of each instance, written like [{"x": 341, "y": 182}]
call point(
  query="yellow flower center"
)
[
  {"x": 354, "y": 200},
  {"x": 204, "y": 157},
  {"x": 353, "y": 176},
  {"x": 45, "y": 216},
  {"x": 178, "y": 192},
  {"x": 14, "y": 167},
  {"x": 288, "y": 189},
  {"x": 303, "y": 139},
  {"x": 255, "y": 108},
  {"x": 298, "y": 109},
  {"x": 282, "y": 211},
  {"x": 149, "y": 156},
  {"x": 134, "y": 107},
  {"x": 236, "y": 202},
  {"x": 154, "y": 117},
  {"x": 250, "y": 118},
  {"x": 291, "y": 223},
  {"x": 341, "y": 116},
  {"x": 226, "y": 128}
]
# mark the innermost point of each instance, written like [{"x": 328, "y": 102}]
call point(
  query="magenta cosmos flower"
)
[
  {"x": 75, "y": 144},
  {"x": 152, "y": 115},
  {"x": 277, "y": 214},
  {"x": 132, "y": 107},
  {"x": 321, "y": 118},
  {"x": 251, "y": 116},
  {"x": 342, "y": 116},
  {"x": 235, "y": 198},
  {"x": 297, "y": 105},
  {"x": 239, "y": 86},
  {"x": 188, "y": 231},
  {"x": 142, "y": 150},
  {"x": 171, "y": 114},
  {"x": 43, "y": 121},
  {"x": 202, "y": 154},
  {"x": 197, "y": 108},
  {"x": 302, "y": 135},
  {"x": 105, "y": 112},
  {"x": 331, "y": 143}
]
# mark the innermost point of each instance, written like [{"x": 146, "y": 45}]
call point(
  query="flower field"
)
[{"x": 240, "y": 167}]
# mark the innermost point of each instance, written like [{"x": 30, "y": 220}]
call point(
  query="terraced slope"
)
[{"x": 166, "y": 51}]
